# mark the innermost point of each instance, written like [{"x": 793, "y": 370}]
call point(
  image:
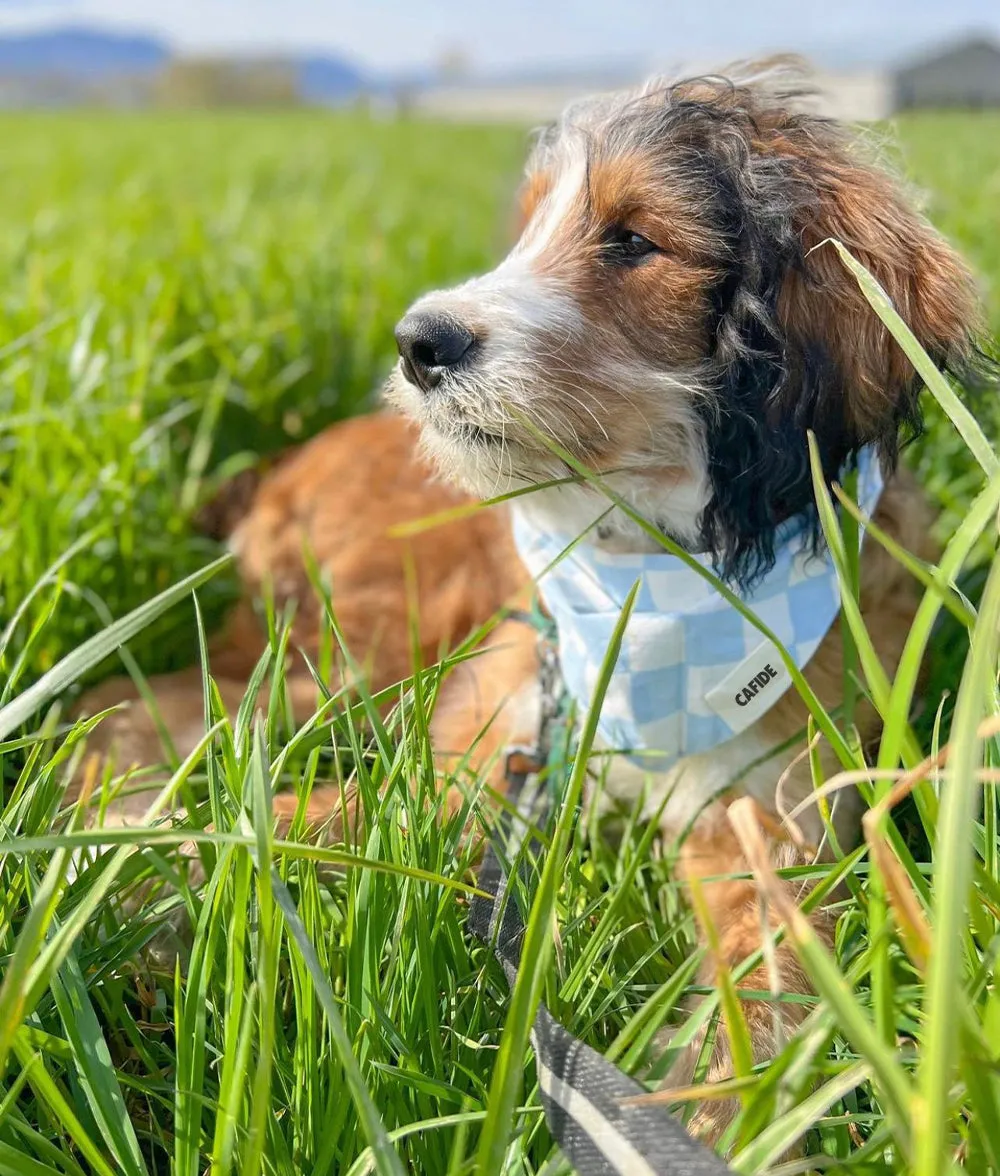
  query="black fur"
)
[{"x": 771, "y": 390}]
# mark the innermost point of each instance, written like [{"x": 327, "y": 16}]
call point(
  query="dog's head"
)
[{"x": 671, "y": 317}]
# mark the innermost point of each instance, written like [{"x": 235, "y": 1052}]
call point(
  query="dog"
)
[{"x": 671, "y": 319}]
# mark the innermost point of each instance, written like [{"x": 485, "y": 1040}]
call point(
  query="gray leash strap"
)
[{"x": 585, "y": 1097}]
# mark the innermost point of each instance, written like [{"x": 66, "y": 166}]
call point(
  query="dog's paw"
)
[
  {"x": 769, "y": 1026},
  {"x": 713, "y": 1116}
]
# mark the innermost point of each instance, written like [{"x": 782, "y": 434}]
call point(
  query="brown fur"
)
[
  {"x": 337, "y": 497},
  {"x": 472, "y": 723},
  {"x": 477, "y": 691},
  {"x": 533, "y": 191}
]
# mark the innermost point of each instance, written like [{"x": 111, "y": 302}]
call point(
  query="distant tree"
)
[
  {"x": 200, "y": 82},
  {"x": 454, "y": 64}
]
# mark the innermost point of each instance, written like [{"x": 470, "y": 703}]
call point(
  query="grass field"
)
[{"x": 181, "y": 294}]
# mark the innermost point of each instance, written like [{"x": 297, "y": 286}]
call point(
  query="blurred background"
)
[{"x": 517, "y": 59}]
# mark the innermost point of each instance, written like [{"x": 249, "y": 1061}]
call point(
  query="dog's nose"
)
[{"x": 429, "y": 344}]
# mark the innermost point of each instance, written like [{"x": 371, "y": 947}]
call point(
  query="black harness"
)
[
  {"x": 550, "y": 749},
  {"x": 587, "y": 1099}
]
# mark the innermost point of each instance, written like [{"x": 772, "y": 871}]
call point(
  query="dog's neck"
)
[
  {"x": 574, "y": 510},
  {"x": 691, "y": 671}
]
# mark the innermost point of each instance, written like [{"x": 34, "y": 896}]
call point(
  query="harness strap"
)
[{"x": 585, "y": 1097}]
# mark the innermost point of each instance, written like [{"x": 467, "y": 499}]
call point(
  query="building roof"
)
[{"x": 956, "y": 52}]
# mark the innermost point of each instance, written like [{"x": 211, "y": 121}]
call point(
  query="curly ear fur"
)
[{"x": 796, "y": 346}]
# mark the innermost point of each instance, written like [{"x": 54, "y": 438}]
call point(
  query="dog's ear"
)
[
  {"x": 822, "y": 307},
  {"x": 797, "y": 346}
]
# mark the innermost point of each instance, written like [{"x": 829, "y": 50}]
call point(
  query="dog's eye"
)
[{"x": 625, "y": 246}]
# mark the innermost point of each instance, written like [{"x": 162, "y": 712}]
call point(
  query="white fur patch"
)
[{"x": 553, "y": 210}]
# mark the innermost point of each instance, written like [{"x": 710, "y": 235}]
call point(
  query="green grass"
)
[{"x": 179, "y": 295}]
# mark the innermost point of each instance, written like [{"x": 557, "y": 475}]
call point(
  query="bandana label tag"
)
[{"x": 751, "y": 688}]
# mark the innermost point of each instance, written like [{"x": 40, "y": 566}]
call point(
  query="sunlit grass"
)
[{"x": 180, "y": 294}]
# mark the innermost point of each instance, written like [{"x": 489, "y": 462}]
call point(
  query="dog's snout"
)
[{"x": 429, "y": 344}]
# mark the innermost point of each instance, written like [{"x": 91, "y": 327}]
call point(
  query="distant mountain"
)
[
  {"x": 88, "y": 56},
  {"x": 81, "y": 53},
  {"x": 325, "y": 80}
]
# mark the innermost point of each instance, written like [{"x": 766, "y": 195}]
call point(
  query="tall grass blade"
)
[
  {"x": 97, "y": 648},
  {"x": 946, "y": 1001}
]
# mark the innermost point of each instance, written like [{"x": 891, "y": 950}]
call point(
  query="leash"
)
[{"x": 585, "y": 1097}]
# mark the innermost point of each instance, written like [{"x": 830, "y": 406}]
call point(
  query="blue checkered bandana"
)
[{"x": 692, "y": 671}]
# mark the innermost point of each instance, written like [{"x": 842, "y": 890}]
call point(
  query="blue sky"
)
[{"x": 396, "y": 34}]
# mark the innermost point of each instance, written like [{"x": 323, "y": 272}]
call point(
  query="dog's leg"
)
[
  {"x": 486, "y": 703},
  {"x": 130, "y": 737},
  {"x": 489, "y": 703},
  {"x": 735, "y": 924}
]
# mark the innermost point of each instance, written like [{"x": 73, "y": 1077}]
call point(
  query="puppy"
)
[{"x": 670, "y": 319}]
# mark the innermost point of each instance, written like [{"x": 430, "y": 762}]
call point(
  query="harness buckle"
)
[{"x": 521, "y": 762}]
